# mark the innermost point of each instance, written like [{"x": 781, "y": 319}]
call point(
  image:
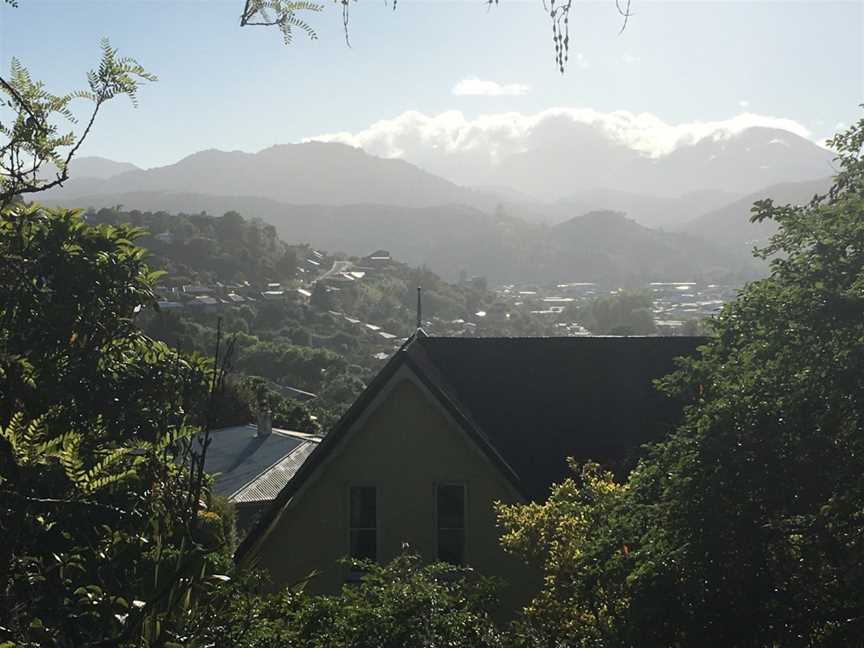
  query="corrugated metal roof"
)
[
  {"x": 266, "y": 486},
  {"x": 238, "y": 456}
]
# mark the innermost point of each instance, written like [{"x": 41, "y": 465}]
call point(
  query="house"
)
[
  {"x": 197, "y": 289},
  {"x": 448, "y": 427},
  {"x": 251, "y": 464},
  {"x": 378, "y": 259}
]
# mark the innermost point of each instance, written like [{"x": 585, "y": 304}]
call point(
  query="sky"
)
[{"x": 677, "y": 64}]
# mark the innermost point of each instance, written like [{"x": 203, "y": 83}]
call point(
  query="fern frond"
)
[{"x": 70, "y": 459}]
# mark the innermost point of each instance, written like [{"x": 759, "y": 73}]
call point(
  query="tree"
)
[
  {"x": 103, "y": 503},
  {"x": 746, "y": 526},
  {"x": 404, "y": 603},
  {"x": 573, "y": 539},
  {"x": 619, "y": 314}
]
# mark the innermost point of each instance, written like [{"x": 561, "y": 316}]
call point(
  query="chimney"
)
[{"x": 265, "y": 422}]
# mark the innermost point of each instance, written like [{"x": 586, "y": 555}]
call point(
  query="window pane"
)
[
  {"x": 363, "y": 514},
  {"x": 451, "y": 545},
  {"x": 451, "y": 507},
  {"x": 363, "y": 544}
]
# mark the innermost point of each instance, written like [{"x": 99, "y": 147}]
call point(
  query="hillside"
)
[
  {"x": 730, "y": 225},
  {"x": 609, "y": 247},
  {"x": 295, "y": 328},
  {"x": 603, "y": 247},
  {"x": 646, "y": 209}
]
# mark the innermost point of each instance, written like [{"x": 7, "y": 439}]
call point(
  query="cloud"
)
[
  {"x": 479, "y": 88},
  {"x": 744, "y": 104},
  {"x": 565, "y": 148},
  {"x": 580, "y": 61},
  {"x": 416, "y": 136},
  {"x": 629, "y": 59}
]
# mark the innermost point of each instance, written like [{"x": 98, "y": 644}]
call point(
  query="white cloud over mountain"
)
[
  {"x": 449, "y": 141},
  {"x": 480, "y": 88}
]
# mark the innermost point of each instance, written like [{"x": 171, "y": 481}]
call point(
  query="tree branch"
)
[{"x": 50, "y": 502}]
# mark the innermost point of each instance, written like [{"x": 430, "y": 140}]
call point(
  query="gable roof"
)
[
  {"x": 529, "y": 403},
  {"x": 541, "y": 400},
  {"x": 238, "y": 457}
]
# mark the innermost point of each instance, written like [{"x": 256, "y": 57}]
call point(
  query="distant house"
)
[
  {"x": 378, "y": 259},
  {"x": 252, "y": 464},
  {"x": 197, "y": 289},
  {"x": 205, "y": 303},
  {"x": 446, "y": 428}
]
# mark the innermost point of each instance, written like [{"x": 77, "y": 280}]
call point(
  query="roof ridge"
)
[
  {"x": 269, "y": 468},
  {"x": 563, "y": 338}
]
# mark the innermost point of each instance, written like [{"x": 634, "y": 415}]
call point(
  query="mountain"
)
[
  {"x": 747, "y": 162},
  {"x": 92, "y": 168},
  {"x": 556, "y": 156},
  {"x": 580, "y": 158},
  {"x": 603, "y": 247},
  {"x": 607, "y": 247},
  {"x": 730, "y": 225},
  {"x": 309, "y": 173},
  {"x": 576, "y": 164},
  {"x": 646, "y": 209}
]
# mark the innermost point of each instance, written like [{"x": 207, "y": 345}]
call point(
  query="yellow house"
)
[{"x": 450, "y": 426}]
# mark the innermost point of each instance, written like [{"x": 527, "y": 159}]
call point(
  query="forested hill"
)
[
  {"x": 231, "y": 250},
  {"x": 299, "y": 322},
  {"x": 199, "y": 248},
  {"x": 604, "y": 247}
]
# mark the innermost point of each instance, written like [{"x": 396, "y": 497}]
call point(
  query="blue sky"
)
[{"x": 221, "y": 86}]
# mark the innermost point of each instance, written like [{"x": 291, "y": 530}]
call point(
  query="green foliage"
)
[
  {"x": 104, "y": 537},
  {"x": 67, "y": 335},
  {"x": 619, "y": 314},
  {"x": 404, "y": 603},
  {"x": 207, "y": 249},
  {"x": 282, "y": 14},
  {"x": 747, "y": 525},
  {"x": 288, "y": 363},
  {"x": 245, "y": 395},
  {"x": 33, "y": 136},
  {"x": 575, "y": 540}
]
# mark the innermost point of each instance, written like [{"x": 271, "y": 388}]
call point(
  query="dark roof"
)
[
  {"x": 541, "y": 400},
  {"x": 238, "y": 457},
  {"x": 530, "y": 403}
]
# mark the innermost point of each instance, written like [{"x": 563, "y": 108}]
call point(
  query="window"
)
[
  {"x": 450, "y": 507},
  {"x": 363, "y": 523}
]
